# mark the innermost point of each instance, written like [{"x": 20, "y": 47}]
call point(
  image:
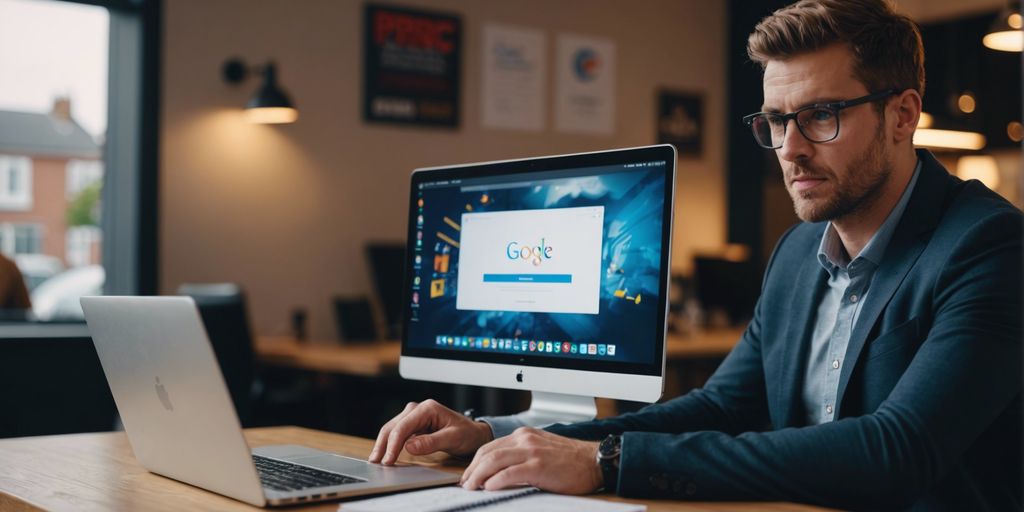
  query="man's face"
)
[{"x": 830, "y": 180}]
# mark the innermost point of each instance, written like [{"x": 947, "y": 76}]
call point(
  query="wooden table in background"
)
[
  {"x": 381, "y": 358},
  {"x": 359, "y": 359},
  {"x": 698, "y": 352},
  {"x": 98, "y": 472}
]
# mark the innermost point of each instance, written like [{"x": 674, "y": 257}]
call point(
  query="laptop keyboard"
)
[{"x": 285, "y": 476}]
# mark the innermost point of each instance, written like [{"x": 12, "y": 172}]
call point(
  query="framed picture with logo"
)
[{"x": 681, "y": 121}]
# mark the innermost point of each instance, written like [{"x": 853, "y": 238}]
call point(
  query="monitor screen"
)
[{"x": 554, "y": 262}]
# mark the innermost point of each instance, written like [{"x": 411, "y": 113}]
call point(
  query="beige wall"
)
[{"x": 286, "y": 210}]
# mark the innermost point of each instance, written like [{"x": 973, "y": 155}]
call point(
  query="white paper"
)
[
  {"x": 514, "y": 67},
  {"x": 585, "y": 88},
  {"x": 449, "y": 498}
]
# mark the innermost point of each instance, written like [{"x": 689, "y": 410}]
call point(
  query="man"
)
[{"x": 882, "y": 365}]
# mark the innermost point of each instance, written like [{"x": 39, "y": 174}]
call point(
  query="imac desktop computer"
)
[{"x": 544, "y": 274}]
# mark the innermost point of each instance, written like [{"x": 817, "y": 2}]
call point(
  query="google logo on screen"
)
[{"x": 533, "y": 254}]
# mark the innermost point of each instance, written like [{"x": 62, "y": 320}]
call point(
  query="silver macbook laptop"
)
[{"x": 181, "y": 423}]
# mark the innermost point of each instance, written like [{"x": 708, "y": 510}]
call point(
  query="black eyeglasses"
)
[{"x": 817, "y": 123}]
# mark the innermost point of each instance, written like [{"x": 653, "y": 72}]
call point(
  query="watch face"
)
[{"x": 610, "y": 446}]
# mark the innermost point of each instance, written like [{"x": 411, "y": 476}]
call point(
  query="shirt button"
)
[
  {"x": 835, "y": 364},
  {"x": 828, "y": 409},
  {"x": 853, "y": 298}
]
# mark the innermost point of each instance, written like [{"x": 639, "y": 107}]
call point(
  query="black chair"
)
[
  {"x": 355, "y": 319},
  {"x": 727, "y": 285},
  {"x": 223, "y": 309},
  {"x": 387, "y": 266}
]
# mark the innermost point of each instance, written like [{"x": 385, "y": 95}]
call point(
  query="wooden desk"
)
[
  {"x": 98, "y": 472},
  {"x": 362, "y": 360},
  {"x": 381, "y": 358}
]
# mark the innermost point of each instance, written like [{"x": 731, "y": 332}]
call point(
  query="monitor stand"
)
[{"x": 550, "y": 408}]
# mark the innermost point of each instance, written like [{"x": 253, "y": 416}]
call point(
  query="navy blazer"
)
[{"x": 929, "y": 414}]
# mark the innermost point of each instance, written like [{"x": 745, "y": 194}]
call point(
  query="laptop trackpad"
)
[{"x": 331, "y": 461}]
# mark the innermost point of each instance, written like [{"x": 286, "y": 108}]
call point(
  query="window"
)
[
  {"x": 15, "y": 183},
  {"x": 26, "y": 239},
  {"x": 83, "y": 246},
  {"x": 82, "y": 174},
  {"x": 18, "y": 239},
  {"x": 78, "y": 153}
]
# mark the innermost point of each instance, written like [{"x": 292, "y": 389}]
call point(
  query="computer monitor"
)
[{"x": 545, "y": 274}]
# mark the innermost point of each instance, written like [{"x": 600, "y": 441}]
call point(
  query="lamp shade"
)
[
  {"x": 270, "y": 104},
  {"x": 1005, "y": 34}
]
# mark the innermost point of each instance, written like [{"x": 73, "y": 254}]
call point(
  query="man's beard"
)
[{"x": 853, "y": 191}]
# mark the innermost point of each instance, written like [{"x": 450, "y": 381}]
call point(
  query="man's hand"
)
[
  {"x": 538, "y": 458},
  {"x": 429, "y": 427}
]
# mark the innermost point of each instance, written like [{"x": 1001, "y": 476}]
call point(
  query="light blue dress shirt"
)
[{"x": 848, "y": 285}]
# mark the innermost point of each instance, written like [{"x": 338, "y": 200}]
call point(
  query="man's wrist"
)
[
  {"x": 608, "y": 454},
  {"x": 596, "y": 472},
  {"x": 486, "y": 435}
]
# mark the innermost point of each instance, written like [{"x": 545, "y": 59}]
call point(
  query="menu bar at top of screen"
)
[{"x": 534, "y": 178}]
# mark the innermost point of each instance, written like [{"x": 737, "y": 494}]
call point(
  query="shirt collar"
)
[{"x": 832, "y": 254}]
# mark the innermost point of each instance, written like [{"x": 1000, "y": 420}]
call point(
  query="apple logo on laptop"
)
[{"x": 164, "y": 397}]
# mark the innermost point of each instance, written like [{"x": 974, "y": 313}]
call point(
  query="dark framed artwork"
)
[
  {"x": 681, "y": 121},
  {"x": 411, "y": 66}
]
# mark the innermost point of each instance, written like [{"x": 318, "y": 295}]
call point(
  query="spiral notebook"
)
[{"x": 457, "y": 499}]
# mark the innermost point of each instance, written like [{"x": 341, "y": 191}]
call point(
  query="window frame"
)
[{"x": 130, "y": 195}]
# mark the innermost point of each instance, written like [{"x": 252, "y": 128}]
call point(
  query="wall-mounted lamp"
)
[
  {"x": 270, "y": 104},
  {"x": 1005, "y": 34}
]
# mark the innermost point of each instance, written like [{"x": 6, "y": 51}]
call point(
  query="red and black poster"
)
[{"x": 411, "y": 66}]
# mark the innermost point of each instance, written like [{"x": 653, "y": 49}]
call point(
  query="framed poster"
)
[
  {"x": 513, "y": 78},
  {"x": 681, "y": 121},
  {"x": 411, "y": 66},
  {"x": 585, "y": 86}
]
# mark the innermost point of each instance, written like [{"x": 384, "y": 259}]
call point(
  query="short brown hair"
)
[{"x": 886, "y": 45}]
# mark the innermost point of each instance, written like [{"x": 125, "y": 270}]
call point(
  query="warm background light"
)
[
  {"x": 1015, "y": 21},
  {"x": 979, "y": 167},
  {"x": 1015, "y": 131},
  {"x": 925, "y": 121},
  {"x": 966, "y": 103},
  {"x": 1008, "y": 41},
  {"x": 271, "y": 115},
  {"x": 948, "y": 139},
  {"x": 1005, "y": 34}
]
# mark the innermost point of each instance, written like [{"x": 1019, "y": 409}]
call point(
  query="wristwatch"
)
[{"x": 608, "y": 453}]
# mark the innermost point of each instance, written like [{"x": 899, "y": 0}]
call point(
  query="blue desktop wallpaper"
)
[{"x": 631, "y": 251}]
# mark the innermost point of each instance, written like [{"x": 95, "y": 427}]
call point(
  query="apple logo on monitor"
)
[
  {"x": 164, "y": 397},
  {"x": 519, "y": 376}
]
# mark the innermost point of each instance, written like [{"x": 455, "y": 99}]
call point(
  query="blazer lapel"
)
[
  {"x": 922, "y": 214},
  {"x": 807, "y": 292}
]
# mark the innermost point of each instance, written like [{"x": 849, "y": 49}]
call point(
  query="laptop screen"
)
[{"x": 556, "y": 262}]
